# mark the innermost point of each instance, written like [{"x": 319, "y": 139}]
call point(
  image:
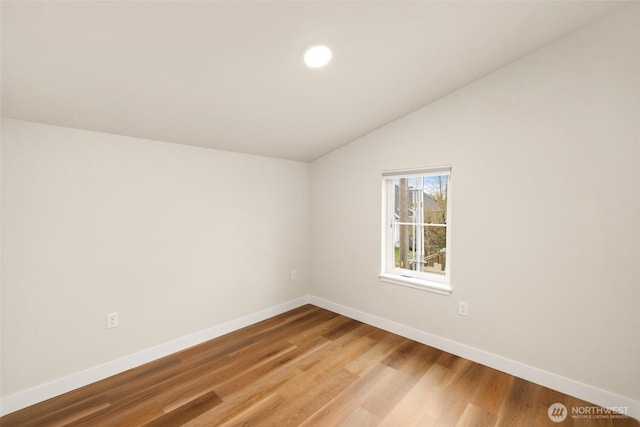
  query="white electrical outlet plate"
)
[
  {"x": 294, "y": 274},
  {"x": 463, "y": 308},
  {"x": 112, "y": 320}
]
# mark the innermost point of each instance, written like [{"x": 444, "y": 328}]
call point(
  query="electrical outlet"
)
[
  {"x": 294, "y": 275},
  {"x": 463, "y": 308},
  {"x": 112, "y": 320}
]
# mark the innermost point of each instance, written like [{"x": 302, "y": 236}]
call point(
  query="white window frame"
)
[{"x": 438, "y": 283}]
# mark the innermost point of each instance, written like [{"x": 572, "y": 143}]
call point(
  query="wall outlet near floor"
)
[
  {"x": 463, "y": 308},
  {"x": 294, "y": 274},
  {"x": 112, "y": 320}
]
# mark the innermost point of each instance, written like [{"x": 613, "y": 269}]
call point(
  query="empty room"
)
[{"x": 320, "y": 213}]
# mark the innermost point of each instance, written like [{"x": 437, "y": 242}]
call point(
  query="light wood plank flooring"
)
[{"x": 308, "y": 367}]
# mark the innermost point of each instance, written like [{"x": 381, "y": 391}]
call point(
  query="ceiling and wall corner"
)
[{"x": 229, "y": 75}]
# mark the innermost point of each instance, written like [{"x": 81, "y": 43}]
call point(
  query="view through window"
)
[{"x": 416, "y": 235}]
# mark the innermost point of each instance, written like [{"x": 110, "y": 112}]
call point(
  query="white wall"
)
[
  {"x": 546, "y": 210},
  {"x": 176, "y": 239}
]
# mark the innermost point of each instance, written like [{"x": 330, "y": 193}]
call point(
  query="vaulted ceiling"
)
[{"x": 229, "y": 75}]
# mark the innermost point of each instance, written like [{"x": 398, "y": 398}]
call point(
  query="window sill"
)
[{"x": 412, "y": 282}]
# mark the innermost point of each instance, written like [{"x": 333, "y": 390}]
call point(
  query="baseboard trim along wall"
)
[
  {"x": 63, "y": 385},
  {"x": 547, "y": 379},
  {"x": 550, "y": 380}
]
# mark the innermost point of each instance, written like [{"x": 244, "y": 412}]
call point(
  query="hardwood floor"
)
[{"x": 308, "y": 367}]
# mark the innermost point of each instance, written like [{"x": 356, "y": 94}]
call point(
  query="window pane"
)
[
  {"x": 421, "y": 200},
  {"x": 420, "y": 248},
  {"x": 435, "y": 249},
  {"x": 405, "y": 205},
  {"x": 435, "y": 199},
  {"x": 404, "y": 239},
  {"x": 410, "y": 200}
]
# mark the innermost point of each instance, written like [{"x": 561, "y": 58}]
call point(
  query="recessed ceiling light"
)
[{"x": 317, "y": 56}]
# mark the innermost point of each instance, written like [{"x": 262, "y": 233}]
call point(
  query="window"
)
[{"x": 415, "y": 228}]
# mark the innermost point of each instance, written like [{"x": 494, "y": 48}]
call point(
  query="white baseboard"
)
[
  {"x": 544, "y": 378},
  {"x": 57, "y": 387},
  {"x": 547, "y": 379}
]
